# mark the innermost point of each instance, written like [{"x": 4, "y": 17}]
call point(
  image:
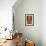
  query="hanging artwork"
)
[{"x": 29, "y": 19}]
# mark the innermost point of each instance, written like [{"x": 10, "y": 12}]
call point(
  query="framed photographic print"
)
[{"x": 29, "y": 19}]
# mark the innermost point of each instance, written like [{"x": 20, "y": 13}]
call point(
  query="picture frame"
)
[{"x": 29, "y": 19}]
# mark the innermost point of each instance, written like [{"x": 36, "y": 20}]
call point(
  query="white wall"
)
[
  {"x": 43, "y": 22},
  {"x": 6, "y": 15},
  {"x": 33, "y": 31},
  {"x": 29, "y": 7}
]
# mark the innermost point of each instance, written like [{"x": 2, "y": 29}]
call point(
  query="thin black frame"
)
[{"x": 32, "y": 19}]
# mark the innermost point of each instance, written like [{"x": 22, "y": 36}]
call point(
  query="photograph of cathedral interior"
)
[{"x": 22, "y": 22}]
